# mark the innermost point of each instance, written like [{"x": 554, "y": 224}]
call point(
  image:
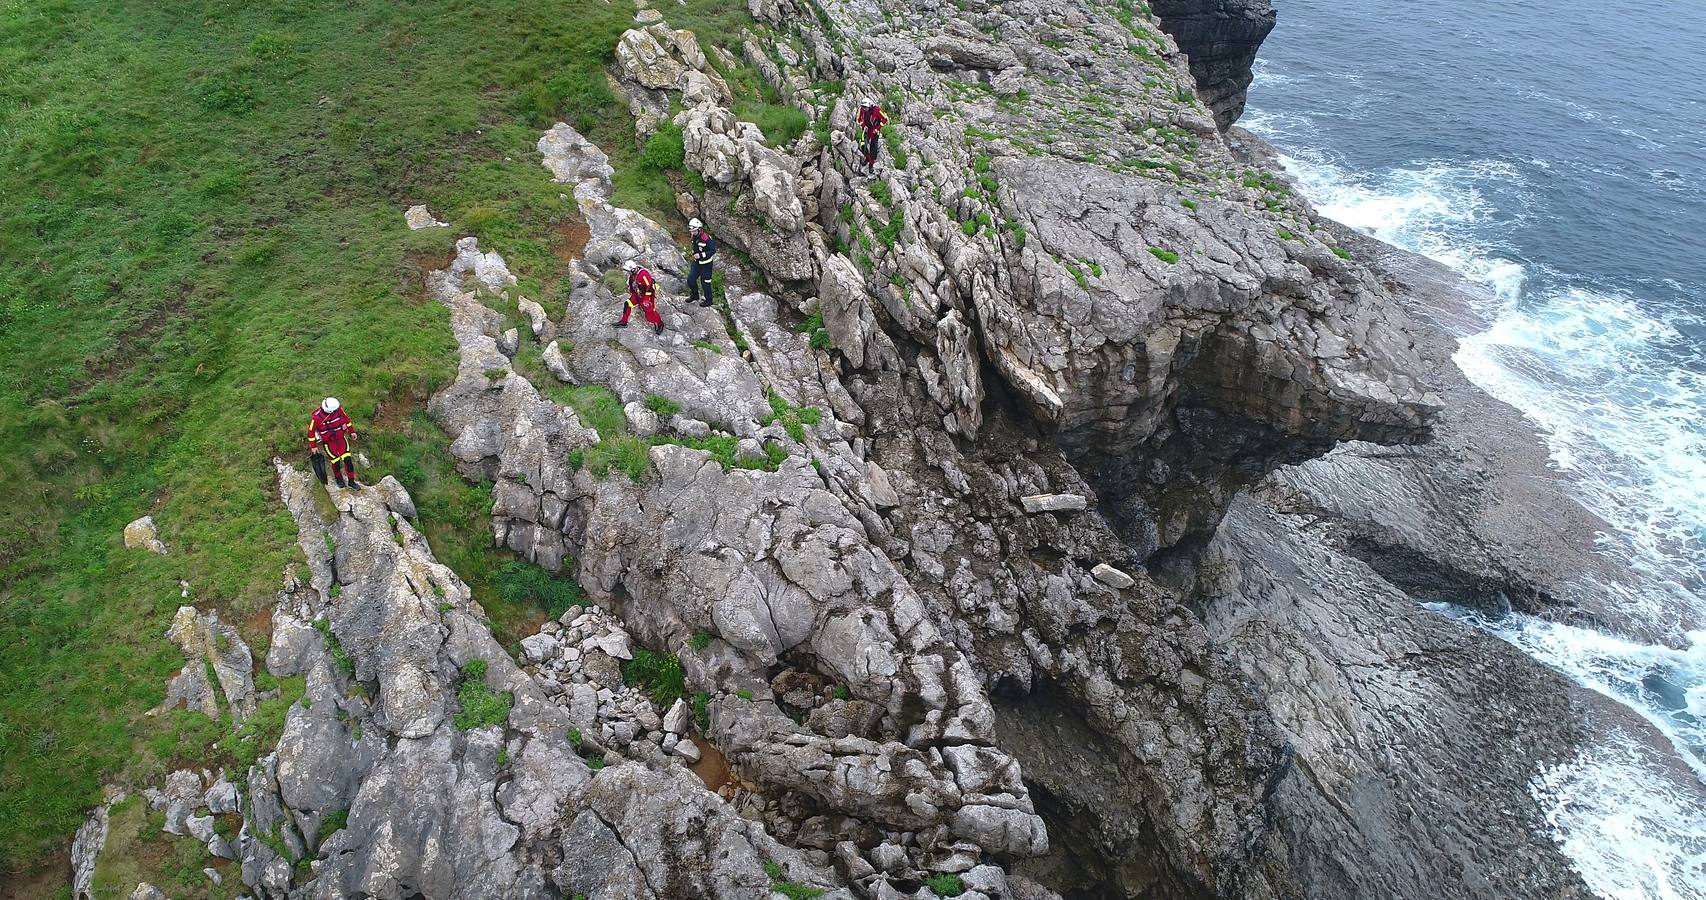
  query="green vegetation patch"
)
[
  {"x": 1166, "y": 256},
  {"x": 945, "y": 884},
  {"x": 658, "y": 674},
  {"x": 791, "y": 890},
  {"x": 519, "y": 582},
  {"x": 480, "y": 705},
  {"x": 793, "y": 418}
]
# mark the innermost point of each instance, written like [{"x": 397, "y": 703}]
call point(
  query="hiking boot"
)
[
  {"x": 340, "y": 478},
  {"x": 618, "y": 324},
  {"x": 705, "y": 303},
  {"x": 353, "y": 483},
  {"x": 660, "y": 328}
]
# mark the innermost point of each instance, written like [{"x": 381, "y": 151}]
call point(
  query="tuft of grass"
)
[
  {"x": 820, "y": 339},
  {"x": 479, "y": 705},
  {"x": 1188, "y": 203},
  {"x": 794, "y": 419},
  {"x": 665, "y": 149},
  {"x": 945, "y": 884},
  {"x": 744, "y": 694},
  {"x": 260, "y": 731},
  {"x": 1342, "y": 253},
  {"x": 1166, "y": 256},
  {"x": 519, "y": 582},
  {"x": 340, "y": 657},
  {"x": 332, "y": 823},
  {"x": 790, "y": 889},
  {"x": 658, "y": 674},
  {"x": 663, "y": 406},
  {"x": 700, "y": 640}
]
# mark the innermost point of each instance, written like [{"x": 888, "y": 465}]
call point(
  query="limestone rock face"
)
[
  {"x": 437, "y": 806},
  {"x": 1221, "y": 38}
]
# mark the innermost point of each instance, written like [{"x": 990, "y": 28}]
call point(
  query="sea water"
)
[{"x": 1556, "y": 153}]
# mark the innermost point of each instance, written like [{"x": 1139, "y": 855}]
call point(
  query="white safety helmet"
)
[
  {"x": 868, "y": 101},
  {"x": 695, "y": 224},
  {"x": 329, "y": 405},
  {"x": 631, "y": 266}
]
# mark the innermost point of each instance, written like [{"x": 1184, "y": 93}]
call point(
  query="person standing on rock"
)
[
  {"x": 642, "y": 292},
  {"x": 330, "y": 432},
  {"x": 703, "y": 260},
  {"x": 872, "y": 119}
]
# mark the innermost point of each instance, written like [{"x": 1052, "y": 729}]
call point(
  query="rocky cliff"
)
[
  {"x": 982, "y": 520},
  {"x": 1221, "y": 38}
]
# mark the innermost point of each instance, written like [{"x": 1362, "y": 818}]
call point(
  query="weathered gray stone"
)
[
  {"x": 141, "y": 534},
  {"x": 418, "y": 217}
]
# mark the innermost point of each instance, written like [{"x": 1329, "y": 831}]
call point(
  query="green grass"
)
[
  {"x": 794, "y": 419},
  {"x": 663, "y": 406},
  {"x": 1166, "y": 256},
  {"x": 945, "y": 885},
  {"x": 480, "y": 705},
  {"x": 658, "y": 674},
  {"x": 1342, "y": 253},
  {"x": 206, "y": 218},
  {"x": 522, "y": 583},
  {"x": 702, "y": 711},
  {"x": 791, "y": 890}
]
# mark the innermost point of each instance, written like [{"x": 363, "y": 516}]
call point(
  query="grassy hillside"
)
[{"x": 201, "y": 235}]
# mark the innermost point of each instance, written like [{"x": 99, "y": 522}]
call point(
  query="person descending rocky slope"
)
[{"x": 966, "y": 521}]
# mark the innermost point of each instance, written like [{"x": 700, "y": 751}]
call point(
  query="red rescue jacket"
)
[
  {"x": 872, "y": 119},
  {"x": 642, "y": 290},
  {"x": 330, "y": 433}
]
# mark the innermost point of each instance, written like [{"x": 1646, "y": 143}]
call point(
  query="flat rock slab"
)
[{"x": 1041, "y": 503}]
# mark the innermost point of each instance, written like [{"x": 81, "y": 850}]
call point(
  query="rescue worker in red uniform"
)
[
  {"x": 872, "y": 119},
  {"x": 330, "y": 432},
  {"x": 701, "y": 264},
  {"x": 642, "y": 292}
]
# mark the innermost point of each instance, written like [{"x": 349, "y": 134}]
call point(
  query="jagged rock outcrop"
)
[
  {"x": 455, "y": 773},
  {"x": 1221, "y": 38},
  {"x": 210, "y": 646},
  {"x": 774, "y": 563}
]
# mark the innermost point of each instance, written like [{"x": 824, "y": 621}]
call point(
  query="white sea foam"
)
[
  {"x": 1592, "y": 367},
  {"x": 1597, "y": 371},
  {"x": 1658, "y": 681},
  {"x": 1629, "y": 833}
]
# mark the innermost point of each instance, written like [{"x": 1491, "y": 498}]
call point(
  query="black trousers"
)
[{"x": 699, "y": 281}]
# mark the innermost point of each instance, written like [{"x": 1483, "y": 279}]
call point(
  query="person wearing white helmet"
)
[
  {"x": 642, "y": 292},
  {"x": 330, "y": 432},
  {"x": 702, "y": 262},
  {"x": 872, "y": 119}
]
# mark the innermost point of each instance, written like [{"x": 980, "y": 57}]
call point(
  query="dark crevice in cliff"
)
[{"x": 1070, "y": 769}]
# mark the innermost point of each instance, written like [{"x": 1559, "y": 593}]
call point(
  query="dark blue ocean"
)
[{"x": 1555, "y": 152}]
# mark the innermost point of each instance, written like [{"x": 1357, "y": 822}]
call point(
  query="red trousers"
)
[{"x": 647, "y": 305}]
